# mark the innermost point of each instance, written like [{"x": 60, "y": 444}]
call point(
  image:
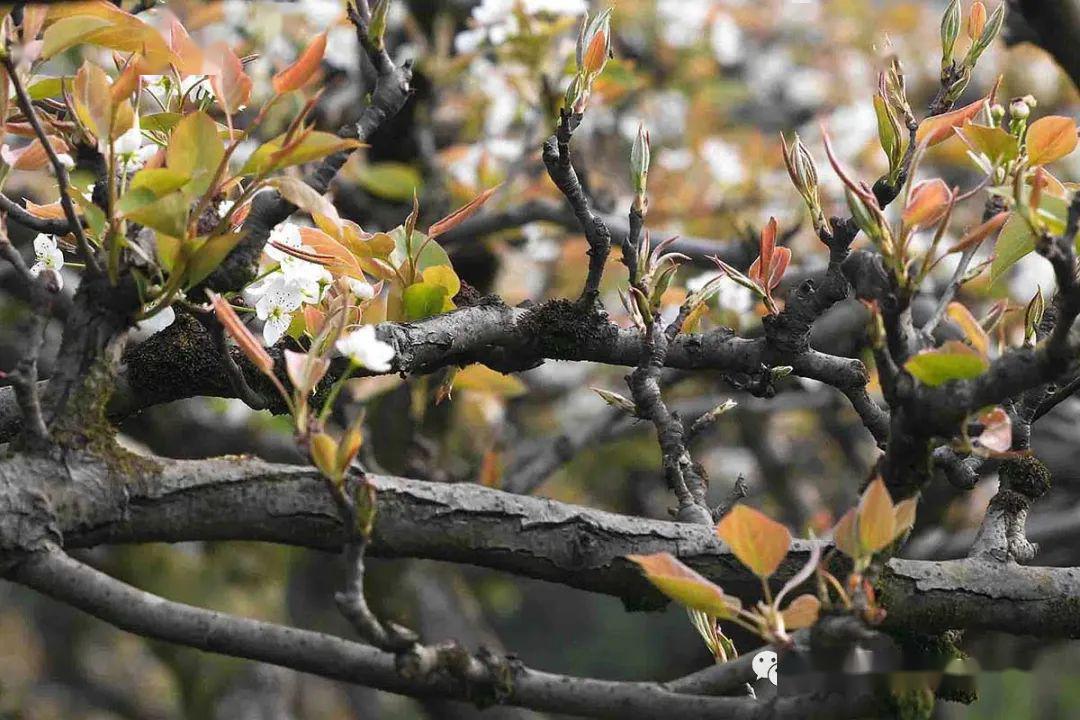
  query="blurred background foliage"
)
[{"x": 716, "y": 82}]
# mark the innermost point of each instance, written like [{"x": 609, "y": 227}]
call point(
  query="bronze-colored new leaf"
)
[
  {"x": 300, "y": 72},
  {"x": 757, "y": 540},
  {"x": 685, "y": 586}
]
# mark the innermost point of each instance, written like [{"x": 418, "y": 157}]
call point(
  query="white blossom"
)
[
  {"x": 277, "y": 302},
  {"x": 48, "y": 257},
  {"x": 366, "y": 350},
  {"x": 130, "y": 140}
]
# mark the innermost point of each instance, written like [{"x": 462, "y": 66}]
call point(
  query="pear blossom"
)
[
  {"x": 275, "y": 307},
  {"x": 366, "y": 350},
  {"x": 130, "y": 140},
  {"x": 48, "y": 257}
]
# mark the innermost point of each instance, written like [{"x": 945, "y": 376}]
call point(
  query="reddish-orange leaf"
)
[
  {"x": 126, "y": 83},
  {"x": 339, "y": 260},
  {"x": 802, "y": 612},
  {"x": 52, "y": 211},
  {"x": 685, "y": 586},
  {"x": 594, "y": 57},
  {"x": 191, "y": 60},
  {"x": 757, "y": 540},
  {"x": 939, "y": 128},
  {"x": 297, "y": 74},
  {"x": 780, "y": 260},
  {"x": 905, "y": 515},
  {"x": 877, "y": 520},
  {"x": 232, "y": 86},
  {"x": 460, "y": 215},
  {"x": 979, "y": 233},
  {"x": 927, "y": 204},
  {"x": 251, "y": 347},
  {"x": 1050, "y": 138},
  {"x": 32, "y": 156},
  {"x": 997, "y": 431},
  {"x": 976, "y": 20},
  {"x": 845, "y": 535},
  {"x": 971, "y": 328}
]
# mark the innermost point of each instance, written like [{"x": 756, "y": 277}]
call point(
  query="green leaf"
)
[
  {"x": 425, "y": 253},
  {"x": 159, "y": 122},
  {"x": 69, "y": 32},
  {"x": 95, "y": 216},
  {"x": 952, "y": 361},
  {"x": 49, "y": 87},
  {"x": 159, "y": 181},
  {"x": 391, "y": 180},
  {"x": 993, "y": 142},
  {"x": 423, "y": 300},
  {"x": 195, "y": 149},
  {"x": 166, "y": 215},
  {"x": 168, "y": 251},
  {"x": 204, "y": 260},
  {"x": 272, "y": 155}
]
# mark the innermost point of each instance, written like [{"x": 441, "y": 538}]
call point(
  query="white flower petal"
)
[
  {"x": 275, "y": 327},
  {"x": 44, "y": 244}
]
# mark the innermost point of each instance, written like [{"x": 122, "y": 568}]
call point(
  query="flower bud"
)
[
  {"x": 1019, "y": 109},
  {"x": 950, "y": 29},
  {"x": 997, "y": 112}
]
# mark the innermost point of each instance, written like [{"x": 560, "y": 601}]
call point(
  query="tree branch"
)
[{"x": 104, "y": 597}]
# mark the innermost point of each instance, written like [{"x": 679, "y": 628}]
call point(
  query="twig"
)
[
  {"x": 237, "y": 381},
  {"x": 24, "y": 378},
  {"x": 49, "y": 226},
  {"x": 63, "y": 183},
  {"x": 556, "y": 154}
]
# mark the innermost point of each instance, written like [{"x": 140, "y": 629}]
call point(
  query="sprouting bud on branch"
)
[
  {"x": 950, "y": 29},
  {"x": 1033, "y": 315},
  {"x": 803, "y": 174},
  {"x": 869, "y": 219},
  {"x": 377, "y": 25},
  {"x": 616, "y": 400},
  {"x": 976, "y": 20},
  {"x": 593, "y": 52},
  {"x": 988, "y": 31},
  {"x": 889, "y": 133},
  {"x": 639, "y": 168},
  {"x": 594, "y": 44}
]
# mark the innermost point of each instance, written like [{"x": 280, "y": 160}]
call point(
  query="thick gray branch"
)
[{"x": 244, "y": 499}]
